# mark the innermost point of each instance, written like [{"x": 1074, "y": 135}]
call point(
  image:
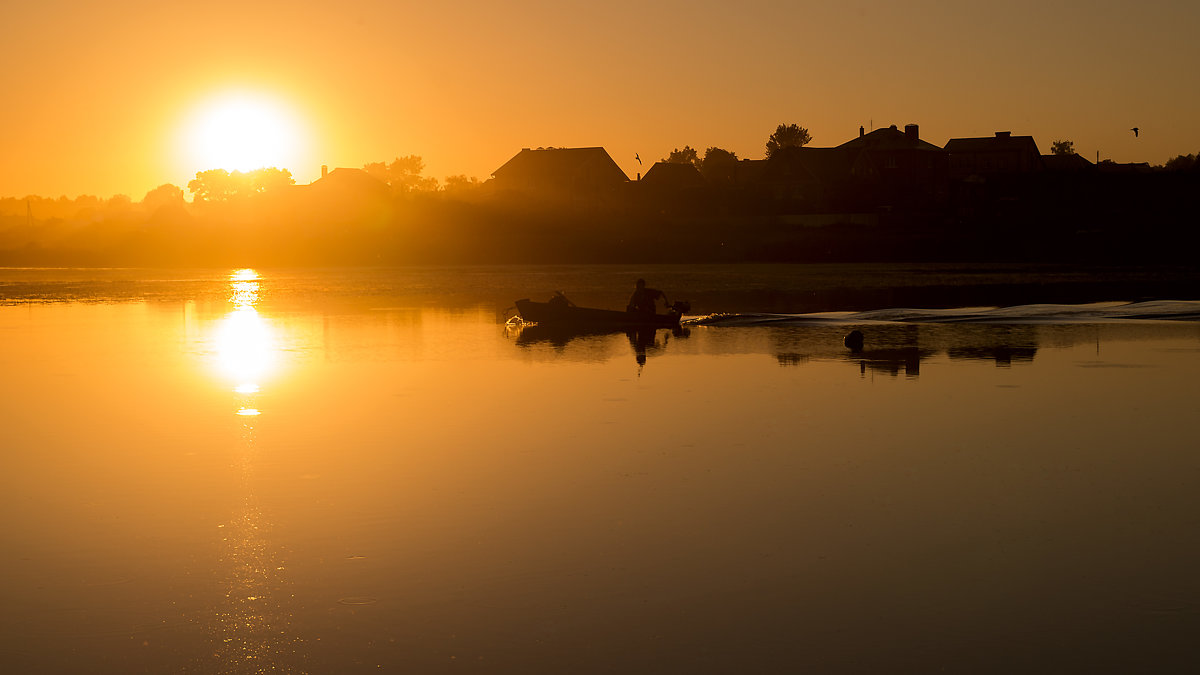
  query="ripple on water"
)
[{"x": 358, "y": 600}]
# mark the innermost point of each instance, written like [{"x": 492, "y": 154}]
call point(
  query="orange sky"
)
[{"x": 96, "y": 94}]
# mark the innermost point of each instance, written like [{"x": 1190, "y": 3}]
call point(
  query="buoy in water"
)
[{"x": 854, "y": 340}]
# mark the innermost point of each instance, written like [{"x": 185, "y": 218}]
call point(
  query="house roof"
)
[
  {"x": 888, "y": 139},
  {"x": 350, "y": 180},
  {"x": 1001, "y": 142},
  {"x": 1070, "y": 162},
  {"x": 673, "y": 174},
  {"x": 560, "y": 165}
]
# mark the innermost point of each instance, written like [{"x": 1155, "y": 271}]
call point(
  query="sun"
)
[{"x": 243, "y": 131}]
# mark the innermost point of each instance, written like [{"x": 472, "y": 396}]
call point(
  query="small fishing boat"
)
[{"x": 559, "y": 311}]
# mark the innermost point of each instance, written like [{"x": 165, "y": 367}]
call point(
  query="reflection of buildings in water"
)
[
  {"x": 1003, "y": 355},
  {"x": 896, "y": 348},
  {"x": 891, "y": 361},
  {"x": 1003, "y": 344}
]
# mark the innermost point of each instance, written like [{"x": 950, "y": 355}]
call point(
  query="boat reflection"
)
[{"x": 598, "y": 344}]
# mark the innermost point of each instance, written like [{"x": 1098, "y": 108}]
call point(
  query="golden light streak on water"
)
[
  {"x": 245, "y": 342},
  {"x": 251, "y": 627}
]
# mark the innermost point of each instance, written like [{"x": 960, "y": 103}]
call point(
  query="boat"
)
[{"x": 561, "y": 312}]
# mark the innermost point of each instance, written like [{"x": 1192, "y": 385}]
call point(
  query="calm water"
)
[{"x": 343, "y": 472}]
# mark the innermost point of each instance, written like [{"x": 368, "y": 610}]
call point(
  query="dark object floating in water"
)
[
  {"x": 854, "y": 340},
  {"x": 560, "y": 311}
]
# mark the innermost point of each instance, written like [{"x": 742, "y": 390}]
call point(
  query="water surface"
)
[{"x": 333, "y": 472}]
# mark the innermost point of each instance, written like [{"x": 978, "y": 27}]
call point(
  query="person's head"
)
[{"x": 641, "y": 283}]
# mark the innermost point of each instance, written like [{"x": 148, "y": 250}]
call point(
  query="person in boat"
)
[{"x": 644, "y": 298}]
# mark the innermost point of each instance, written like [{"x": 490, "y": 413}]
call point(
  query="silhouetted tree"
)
[
  {"x": 403, "y": 174},
  {"x": 268, "y": 179},
  {"x": 1062, "y": 148},
  {"x": 214, "y": 185},
  {"x": 460, "y": 183},
  {"x": 787, "y": 136},
  {"x": 687, "y": 155},
  {"x": 163, "y": 195},
  {"x": 719, "y": 164},
  {"x": 219, "y": 185},
  {"x": 1183, "y": 163}
]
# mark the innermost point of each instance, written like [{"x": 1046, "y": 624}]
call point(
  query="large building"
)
[{"x": 559, "y": 172}]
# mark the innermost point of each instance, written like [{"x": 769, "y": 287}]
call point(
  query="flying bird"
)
[
  {"x": 1135, "y": 132},
  {"x": 638, "y": 158}
]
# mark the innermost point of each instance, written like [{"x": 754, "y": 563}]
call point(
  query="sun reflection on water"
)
[
  {"x": 245, "y": 342},
  {"x": 251, "y": 630}
]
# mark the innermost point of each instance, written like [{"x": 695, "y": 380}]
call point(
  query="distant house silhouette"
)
[
  {"x": 893, "y": 154},
  {"x": 559, "y": 172},
  {"x": 815, "y": 176},
  {"x": 884, "y": 168},
  {"x": 1071, "y": 162},
  {"x": 350, "y": 183},
  {"x": 673, "y": 176},
  {"x": 344, "y": 196},
  {"x": 905, "y": 170},
  {"x": 993, "y": 155}
]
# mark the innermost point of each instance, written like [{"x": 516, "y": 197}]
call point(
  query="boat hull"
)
[{"x": 560, "y": 314}]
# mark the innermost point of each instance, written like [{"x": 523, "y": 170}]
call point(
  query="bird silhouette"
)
[
  {"x": 1135, "y": 132},
  {"x": 637, "y": 157}
]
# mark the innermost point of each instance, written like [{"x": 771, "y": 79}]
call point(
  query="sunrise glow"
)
[{"x": 242, "y": 131}]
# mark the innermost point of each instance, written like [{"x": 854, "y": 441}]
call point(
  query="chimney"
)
[
  {"x": 324, "y": 170},
  {"x": 861, "y": 131},
  {"x": 912, "y": 131},
  {"x": 1003, "y": 134}
]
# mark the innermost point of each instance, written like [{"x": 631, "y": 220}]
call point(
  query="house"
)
[
  {"x": 813, "y": 175},
  {"x": 897, "y": 167},
  {"x": 673, "y": 176},
  {"x": 993, "y": 155},
  {"x": 559, "y": 172},
  {"x": 1068, "y": 163},
  {"x": 345, "y": 196},
  {"x": 890, "y": 154}
]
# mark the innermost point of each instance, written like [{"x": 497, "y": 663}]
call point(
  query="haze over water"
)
[{"x": 352, "y": 471}]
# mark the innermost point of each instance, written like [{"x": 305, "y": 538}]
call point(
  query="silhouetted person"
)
[
  {"x": 1135, "y": 132},
  {"x": 643, "y": 299}
]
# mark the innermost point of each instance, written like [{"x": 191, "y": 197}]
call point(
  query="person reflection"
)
[{"x": 645, "y": 342}]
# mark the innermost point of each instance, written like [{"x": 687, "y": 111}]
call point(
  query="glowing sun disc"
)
[{"x": 243, "y": 131}]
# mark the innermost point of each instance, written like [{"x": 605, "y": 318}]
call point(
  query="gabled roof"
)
[
  {"x": 673, "y": 174},
  {"x": 345, "y": 181},
  {"x": 1001, "y": 142},
  {"x": 557, "y": 166},
  {"x": 1069, "y": 162},
  {"x": 888, "y": 139}
]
